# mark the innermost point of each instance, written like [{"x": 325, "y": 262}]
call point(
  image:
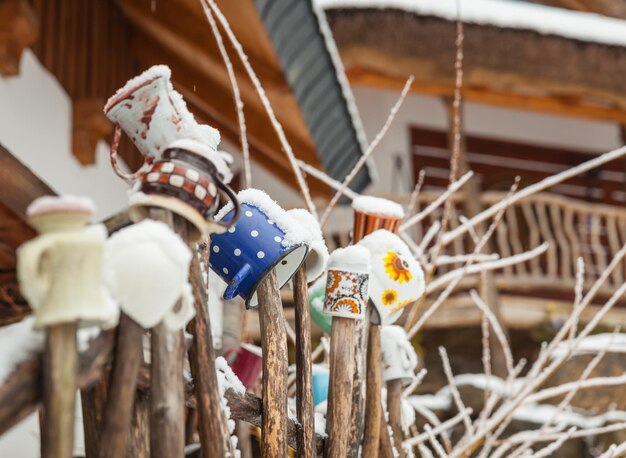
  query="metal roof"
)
[{"x": 315, "y": 79}]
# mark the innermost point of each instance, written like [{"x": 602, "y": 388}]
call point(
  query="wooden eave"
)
[
  {"x": 94, "y": 47},
  {"x": 18, "y": 188},
  {"x": 512, "y": 68}
]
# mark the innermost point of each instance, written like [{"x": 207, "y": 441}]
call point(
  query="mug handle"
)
[
  {"x": 233, "y": 285},
  {"x": 128, "y": 177},
  {"x": 176, "y": 321},
  {"x": 409, "y": 359},
  {"x": 29, "y": 267},
  {"x": 233, "y": 198}
]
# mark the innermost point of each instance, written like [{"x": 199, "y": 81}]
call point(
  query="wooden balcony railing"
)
[{"x": 573, "y": 229}]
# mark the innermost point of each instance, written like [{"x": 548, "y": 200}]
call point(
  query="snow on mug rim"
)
[{"x": 59, "y": 204}]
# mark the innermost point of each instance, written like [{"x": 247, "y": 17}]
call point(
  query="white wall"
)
[{"x": 429, "y": 112}]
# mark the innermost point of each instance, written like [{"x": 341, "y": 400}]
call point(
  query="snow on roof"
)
[
  {"x": 586, "y": 27},
  {"x": 377, "y": 206}
]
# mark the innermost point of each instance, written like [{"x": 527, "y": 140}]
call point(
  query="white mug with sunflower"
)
[
  {"x": 396, "y": 278},
  {"x": 347, "y": 282}
]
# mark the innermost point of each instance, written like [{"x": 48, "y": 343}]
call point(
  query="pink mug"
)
[{"x": 247, "y": 365}]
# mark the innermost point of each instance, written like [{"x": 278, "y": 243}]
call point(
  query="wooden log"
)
[
  {"x": 139, "y": 437},
  {"x": 304, "y": 387},
  {"x": 118, "y": 410},
  {"x": 373, "y": 404},
  {"x": 244, "y": 444},
  {"x": 167, "y": 413},
  {"x": 394, "y": 407},
  {"x": 274, "y": 344},
  {"x": 60, "y": 385},
  {"x": 386, "y": 445},
  {"x": 212, "y": 427},
  {"x": 93, "y": 401},
  {"x": 340, "y": 388},
  {"x": 357, "y": 420},
  {"x": 167, "y": 396}
]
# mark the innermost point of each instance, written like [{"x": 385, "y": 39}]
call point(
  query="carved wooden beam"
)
[
  {"x": 89, "y": 127},
  {"x": 19, "y": 29}
]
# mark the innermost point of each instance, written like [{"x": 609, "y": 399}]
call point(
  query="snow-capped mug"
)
[
  {"x": 399, "y": 357},
  {"x": 374, "y": 213},
  {"x": 396, "y": 278},
  {"x": 317, "y": 258},
  {"x": 347, "y": 282},
  {"x": 186, "y": 181},
  {"x": 264, "y": 238},
  {"x": 247, "y": 364},
  {"x": 153, "y": 115},
  {"x": 147, "y": 267},
  {"x": 60, "y": 271}
]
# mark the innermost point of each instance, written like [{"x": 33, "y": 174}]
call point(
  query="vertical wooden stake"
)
[
  {"x": 60, "y": 385},
  {"x": 339, "y": 410},
  {"x": 274, "y": 344},
  {"x": 167, "y": 396},
  {"x": 118, "y": 411},
  {"x": 386, "y": 445},
  {"x": 304, "y": 387},
  {"x": 357, "y": 421},
  {"x": 394, "y": 407},
  {"x": 139, "y": 437},
  {"x": 212, "y": 427},
  {"x": 373, "y": 404},
  {"x": 93, "y": 401}
]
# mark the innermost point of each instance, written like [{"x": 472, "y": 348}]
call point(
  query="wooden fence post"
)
[{"x": 274, "y": 344}]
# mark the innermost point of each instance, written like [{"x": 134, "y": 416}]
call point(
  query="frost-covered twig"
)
[
  {"x": 580, "y": 385},
  {"x": 446, "y": 293},
  {"x": 434, "y": 442},
  {"x": 417, "y": 381},
  {"x": 433, "y": 420},
  {"x": 245, "y": 148},
  {"x": 415, "y": 194},
  {"x": 506, "y": 349},
  {"x": 485, "y": 266},
  {"x": 370, "y": 149},
  {"x": 456, "y": 396},
  {"x": 554, "y": 446},
  {"x": 429, "y": 236},
  {"x": 326, "y": 179},
  {"x": 443, "y": 197},
  {"x": 446, "y": 425},
  {"x": 304, "y": 189}
]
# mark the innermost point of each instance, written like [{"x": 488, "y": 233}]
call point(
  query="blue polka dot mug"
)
[{"x": 264, "y": 238}]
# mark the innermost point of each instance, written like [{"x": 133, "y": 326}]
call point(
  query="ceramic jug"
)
[
  {"x": 264, "y": 238},
  {"x": 153, "y": 115},
  {"x": 186, "y": 180},
  {"x": 147, "y": 267},
  {"x": 60, "y": 271}
]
